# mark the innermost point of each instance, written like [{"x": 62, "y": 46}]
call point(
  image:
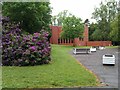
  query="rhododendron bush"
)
[{"x": 23, "y": 50}]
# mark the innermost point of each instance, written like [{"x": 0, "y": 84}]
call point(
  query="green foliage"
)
[
  {"x": 104, "y": 15},
  {"x": 60, "y": 17},
  {"x": 92, "y": 29},
  {"x": 32, "y": 16},
  {"x": 119, "y": 25},
  {"x": 106, "y": 11},
  {"x": 63, "y": 71},
  {"x": 72, "y": 28},
  {"x": 97, "y": 35},
  {"x": 114, "y": 30}
]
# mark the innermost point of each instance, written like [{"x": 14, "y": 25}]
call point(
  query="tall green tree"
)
[
  {"x": 104, "y": 15},
  {"x": 59, "y": 18},
  {"x": 32, "y": 16},
  {"x": 72, "y": 28},
  {"x": 114, "y": 33},
  {"x": 92, "y": 29},
  {"x": 62, "y": 15}
]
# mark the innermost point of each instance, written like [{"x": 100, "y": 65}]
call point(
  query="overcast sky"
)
[{"x": 80, "y": 8}]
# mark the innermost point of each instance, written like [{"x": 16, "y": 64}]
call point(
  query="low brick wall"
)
[
  {"x": 69, "y": 44},
  {"x": 65, "y": 42},
  {"x": 55, "y": 39},
  {"x": 99, "y": 43},
  {"x": 78, "y": 42}
]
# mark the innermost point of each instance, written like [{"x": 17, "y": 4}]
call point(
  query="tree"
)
[
  {"x": 114, "y": 30},
  {"x": 60, "y": 17},
  {"x": 104, "y": 15},
  {"x": 72, "y": 28},
  {"x": 97, "y": 35},
  {"x": 53, "y": 20},
  {"x": 32, "y": 16},
  {"x": 92, "y": 29}
]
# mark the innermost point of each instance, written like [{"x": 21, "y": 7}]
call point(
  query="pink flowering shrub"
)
[{"x": 24, "y": 50}]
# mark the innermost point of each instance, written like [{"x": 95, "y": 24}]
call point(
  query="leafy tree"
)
[
  {"x": 114, "y": 30},
  {"x": 97, "y": 35},
  {"x": 32, "y": 16},
  {"x": 104, "y": 15},
  {"x": 60, "y": 17},
  {"x": 72, "y": 28},
  {"x": 119, "y": 25},
  {"x": 92, "y": 28}
]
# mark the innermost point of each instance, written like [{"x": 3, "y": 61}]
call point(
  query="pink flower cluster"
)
[{"x": 33, "y": 48}]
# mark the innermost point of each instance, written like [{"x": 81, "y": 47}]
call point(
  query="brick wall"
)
[
  {"x": 56, "y": 30},
  {"x": 99, "y": 43},
  {"x": 55, "y": 38},
  {"x": 65, "y": 41}
]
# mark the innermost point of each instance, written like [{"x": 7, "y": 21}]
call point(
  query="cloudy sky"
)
[{"x": 80, "y": 8}]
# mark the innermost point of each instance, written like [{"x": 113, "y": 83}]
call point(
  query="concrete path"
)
[{"x": 107, "y": 74}]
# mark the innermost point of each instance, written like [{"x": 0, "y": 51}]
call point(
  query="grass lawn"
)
[
  {"x": 63, "y": 71},
  {"x": 112, "y": 46}
]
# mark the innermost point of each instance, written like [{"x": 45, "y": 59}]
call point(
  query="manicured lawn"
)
[
  {"x": 112, "y": 46},
  {"x": 63, "y": 71}
]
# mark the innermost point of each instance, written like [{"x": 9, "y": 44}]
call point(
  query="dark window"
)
[{"x": 58, "y": 41}]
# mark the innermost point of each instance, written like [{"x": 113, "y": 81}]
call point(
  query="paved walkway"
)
[{"x": 107, "y": 74}]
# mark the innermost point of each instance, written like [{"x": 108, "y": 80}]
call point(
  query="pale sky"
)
[{"x": 80, "y": 8}]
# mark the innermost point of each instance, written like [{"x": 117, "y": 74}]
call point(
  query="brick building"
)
[{"x": 55, "y": 38}]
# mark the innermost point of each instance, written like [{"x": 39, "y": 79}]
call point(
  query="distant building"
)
[{"x": 55, "y": 38}]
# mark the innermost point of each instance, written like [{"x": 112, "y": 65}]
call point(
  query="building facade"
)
[{"x": 55, "y": 38}]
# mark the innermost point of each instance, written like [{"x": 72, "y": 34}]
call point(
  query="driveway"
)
[{"x": 107, "y": 74}]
